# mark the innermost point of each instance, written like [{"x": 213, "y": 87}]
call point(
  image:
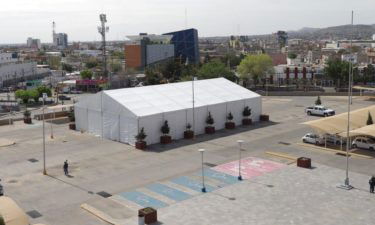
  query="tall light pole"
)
[
  {"x": 346, "y": 184},
  {"x": 203, "y": 185},
  {"x": 240, "y": 142},
  {"x": 194, "y": 78},
  {"x": 44, "y": 139}
]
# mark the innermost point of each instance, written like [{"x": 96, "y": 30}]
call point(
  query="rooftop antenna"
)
[
  {"x": 103, "y": 29},
  {"x": 53, "y": 32}
]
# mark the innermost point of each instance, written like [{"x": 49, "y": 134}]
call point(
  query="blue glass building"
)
[{"x": 186, "y": 45}]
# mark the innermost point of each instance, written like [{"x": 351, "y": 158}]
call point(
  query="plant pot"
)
[
  {"x": 189, "y": 134},
  {"x": 165, "y": 139},
  {"x": 140, "y": 145},
  {"x": 210, "y": 130},
  {"x": 72, "y": 126},
  {"x": 247, "y": 122},
  {"x": 264, "y": 118},
  {"x": 230, "y": 125},
  {"x": 150, "y": 215},
  {"x": 27, "y": 120},
  {"x": 304, "y": 162},
  {"x": 72, "y": 119}
]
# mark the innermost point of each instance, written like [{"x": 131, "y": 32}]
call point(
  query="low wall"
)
[
  {"x": 51, "y": 115},
  {"x": 4, "y": 122},
  {"x": 302, "y": 93}
]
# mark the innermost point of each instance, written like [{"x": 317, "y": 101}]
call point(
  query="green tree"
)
[
  {"x": 23, "y": 95},
  {"x": 292, "y": 55},
  {"x": 152, "y": 76},
  {"x": 207, "y": 58},
  {"x": 369, "y": 119},
  {"x": 255, "y": 67},
  {"x": 232, "y": 59},
  {"x": 115, "y": 67},
  {"x": 2, "y": 222},
  {"x": 318, "y": 101},
  {"x": 214, "y": 69},
  {"x": 118, "y": 54},
  {"x": 337, "y": 70},
  {"x": 34, "y": 94},
  {"x": 91, "y": 63},
  {"x": 44, "y": 89},
  {"x": 86, "y": 74}
]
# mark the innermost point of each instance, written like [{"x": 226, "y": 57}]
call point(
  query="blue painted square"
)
[
  {"x": 228, "y": 179},
  {"x": 192, "y": 184},
  {"x": 143, "y": 200},
  {"x": 169, "y": 192}
]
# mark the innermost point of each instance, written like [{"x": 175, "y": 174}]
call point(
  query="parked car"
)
[
  {"x": 319, "y": 110},
  {"x": 313, "y": 139},
  {"x": 75, "y": 92},
  {"x": 334, "y": 139},
  {"x": 63, "y": 97},
  {"x": 364, "y": 143}
]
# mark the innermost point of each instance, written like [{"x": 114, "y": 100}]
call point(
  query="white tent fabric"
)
[
  {"x": 12, "y": 213},
  {"x": 119, "y": 114}
]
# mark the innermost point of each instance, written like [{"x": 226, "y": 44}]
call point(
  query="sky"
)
[{"x": 20, "y": 19}]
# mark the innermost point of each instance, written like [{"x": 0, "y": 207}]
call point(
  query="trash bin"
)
[
  {"x": 304, "y": 162},
  {"x": 149, "y": 214}
]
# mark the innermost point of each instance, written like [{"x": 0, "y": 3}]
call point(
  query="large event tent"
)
[{"x": 119, "y": 114}]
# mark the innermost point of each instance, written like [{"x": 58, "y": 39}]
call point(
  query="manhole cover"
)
[
  {"x": 12, "y": 181},
  {"x": 232, "y": 198},
  {"x": 33, "y": 160},
  {"x": 104, "y": 194},
  {"x": 284, "y": 143},
  {"x": 34, "y": 214},
  {"x": 209, "y": 164}
]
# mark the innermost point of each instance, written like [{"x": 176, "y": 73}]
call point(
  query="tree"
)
[
  {"x": 369, "y": 119},
  {"x": 2, "y": 222},
  {"x": 232, "y": 59},
  {"x": 292, "y": 55},
  {"x": 207, "y": 58},
  {"x": 255, "y": 67},
  {"x": 91, "y": 63},
  {"x": 86, "y": 74},
  {"x": 116, "y": 67},
  {"x": 34, "y": 94},
  {"x": 214, "y": 69},
  {"x": 152, "y": 76},
  {"x": 337, "y": 70},
  {"x": 23, "y": 95},
  {"x": 318, "y": 101},
  {"x": 44, "y": 89},
  {"x": 165, "y": 128},
  {"x": 54, "y": 62}
]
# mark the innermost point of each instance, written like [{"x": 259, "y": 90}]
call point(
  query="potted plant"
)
[
  {"x": 230, "y": 124},
  {"x": 71, "y": 116},
  {"x": 165, "y": 138},
  {"x": 210, "y": 128},
  {"x": 150, "y": 215},
  {"x": 26, "y": 117},
  {"x": 188, "y": 134},
  {"x": 246, "y": 114},
  {"x": 140, "y": 143}
]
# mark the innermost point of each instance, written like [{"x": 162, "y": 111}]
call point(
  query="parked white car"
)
[
  {"x": 319, "y": 110},
  {"x": 313, "y": 139},
  {"x": 334, "y": 139},
  {"x": 364, "y": 142}
]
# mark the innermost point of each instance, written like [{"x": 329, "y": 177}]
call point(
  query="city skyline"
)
[{"x": 21, "y": 19}]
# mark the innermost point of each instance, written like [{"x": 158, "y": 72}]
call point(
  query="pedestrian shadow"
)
[
  {"x": 71, "y": 184},
  {"x": 69, "y": 176}
]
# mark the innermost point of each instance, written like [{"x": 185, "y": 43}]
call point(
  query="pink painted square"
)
[{"x": 250, "y": 167}]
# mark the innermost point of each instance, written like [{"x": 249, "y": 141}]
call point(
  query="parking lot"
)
[{"x": 98, "y": 165}]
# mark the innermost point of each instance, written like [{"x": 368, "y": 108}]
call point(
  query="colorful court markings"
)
[
  {"x": 143, "y": 200},
  {"x": 222, "y": 177},
  {"x": 192, "y": 184},
  {"x": 168, "y": 192},
  {"x": 250, "y": 167}
]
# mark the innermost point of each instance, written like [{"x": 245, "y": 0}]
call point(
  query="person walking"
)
[
  {"x": 66, "y": 166},
  {"x": 372, "y": 184}
]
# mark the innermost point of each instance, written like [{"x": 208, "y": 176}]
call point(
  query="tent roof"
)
[
  {"x": 363, "y": 131},
  {"x": 12, "y": 213},
  {"x": 364, "y": 88},
  {"x": 338, "y": 124},
  {"x": 148, "y": 100}
]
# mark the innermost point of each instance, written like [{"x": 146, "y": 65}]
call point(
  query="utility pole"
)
[{"x": 102, "y": 31}]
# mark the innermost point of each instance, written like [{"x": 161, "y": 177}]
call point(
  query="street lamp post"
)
[
  {"x": 203, "y": 185},
  {"x": 240, "y": 142},
  {"x": 44, "y": 139}
]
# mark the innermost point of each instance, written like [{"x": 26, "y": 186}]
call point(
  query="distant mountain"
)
[{"x": 335, "y": 33}]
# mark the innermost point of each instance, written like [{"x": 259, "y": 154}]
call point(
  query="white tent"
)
[{"x": 119, "y": 114}]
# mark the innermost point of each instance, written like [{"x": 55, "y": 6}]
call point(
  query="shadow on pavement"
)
[{"x": 159, "y": 148}]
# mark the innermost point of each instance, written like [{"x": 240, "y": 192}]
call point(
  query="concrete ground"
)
[{"x": 101, "y": 165}]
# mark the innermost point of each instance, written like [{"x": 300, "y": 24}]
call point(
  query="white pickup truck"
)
[{"x": 319, "y": 110}]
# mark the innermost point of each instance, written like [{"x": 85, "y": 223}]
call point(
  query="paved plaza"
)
[{"x": 101, "y": 167}]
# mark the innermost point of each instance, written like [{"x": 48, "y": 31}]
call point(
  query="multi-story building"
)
[
  {"x": 147, "y": 50},
  {"x": 34, "y": 43},
  {"x": 60, "y": 40},
  {"x": 186, "y": 45},
  {"x": 12, "y": 70}
]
